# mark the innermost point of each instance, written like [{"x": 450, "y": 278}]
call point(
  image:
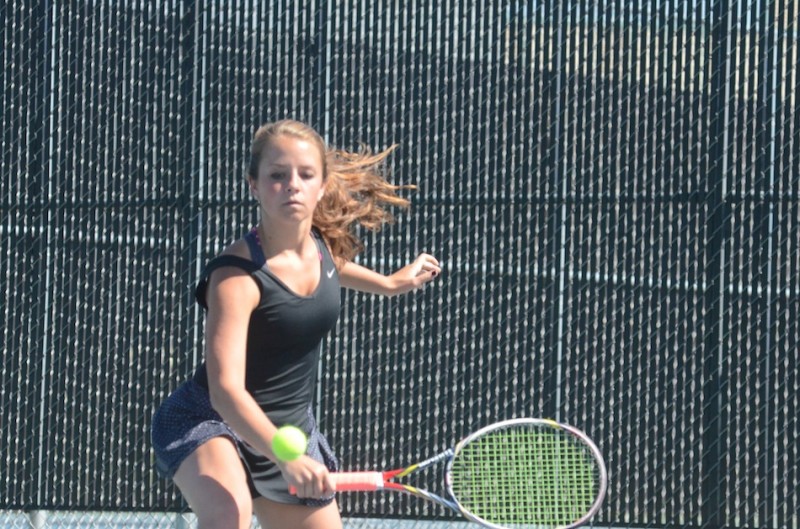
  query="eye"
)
[
  {"x": 307, "y": 176},
  {"x": 277, "y": 175}
]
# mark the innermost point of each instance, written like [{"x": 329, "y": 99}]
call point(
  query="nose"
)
[{"x": 293, "y": 183}]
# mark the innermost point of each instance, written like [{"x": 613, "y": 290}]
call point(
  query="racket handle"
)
[
  {"x": 357, "y": 481},
  {"x": 353, "y": 481}
]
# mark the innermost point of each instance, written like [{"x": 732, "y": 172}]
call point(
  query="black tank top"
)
[{"x": 285, "y": 333}]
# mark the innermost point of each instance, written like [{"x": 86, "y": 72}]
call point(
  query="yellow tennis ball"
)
[{"x": 289, "y": 443}]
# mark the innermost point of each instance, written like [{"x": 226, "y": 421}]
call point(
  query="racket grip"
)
[{"x": 353, "y": 481}]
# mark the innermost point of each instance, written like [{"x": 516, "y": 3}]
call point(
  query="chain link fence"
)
[{"x": 612, "y": 188}]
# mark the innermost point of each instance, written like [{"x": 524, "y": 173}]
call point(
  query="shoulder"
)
[
  {"x": 238, "y": 249},
  {"x": 228, "y": 275},
  {"x": 231, "y": 286},
  {"x": 234, "y": 261}
]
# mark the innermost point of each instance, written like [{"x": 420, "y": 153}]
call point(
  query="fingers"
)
[
  {"x": 428, "y": 265},
  {"x": 422, "y": 270},
  {"x": 310, "y": 479}
]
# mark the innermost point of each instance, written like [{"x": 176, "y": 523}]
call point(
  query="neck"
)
[{"x": 277, "y": 239}]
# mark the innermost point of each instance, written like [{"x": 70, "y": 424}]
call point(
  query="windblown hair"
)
[{"x": 356, "y": 191}]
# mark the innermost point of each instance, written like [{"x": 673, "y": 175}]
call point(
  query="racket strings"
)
[{"x": 525, "y": 476}]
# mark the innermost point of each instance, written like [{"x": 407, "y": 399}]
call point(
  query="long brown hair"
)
[{"x": 356, "y": 191}]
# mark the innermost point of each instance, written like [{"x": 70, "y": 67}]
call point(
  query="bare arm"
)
[
  {"x": 232, "y": 296},
  {"x": 422, "y": 270}
]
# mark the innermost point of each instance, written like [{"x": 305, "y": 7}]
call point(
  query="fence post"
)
[
  {"x": 180, "y": 521},
  {"x": 718, "y": 222},
  {"x": 37, "y": 519}
]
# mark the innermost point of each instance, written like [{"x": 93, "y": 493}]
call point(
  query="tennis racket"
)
[{"x": 511, "y": 474}]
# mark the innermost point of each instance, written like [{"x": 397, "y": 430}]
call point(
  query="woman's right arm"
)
[{"x": 231, "y": 298}]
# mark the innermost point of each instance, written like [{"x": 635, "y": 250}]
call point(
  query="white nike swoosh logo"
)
[{"x": 330, "y": 272}]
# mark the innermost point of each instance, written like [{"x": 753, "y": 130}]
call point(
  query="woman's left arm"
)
[{"x": 412, "y": 276}]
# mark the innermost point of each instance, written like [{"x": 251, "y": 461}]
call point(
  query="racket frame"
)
[
  {"x": 580, "y": 435},
  {"x": 377, "y": 480}
]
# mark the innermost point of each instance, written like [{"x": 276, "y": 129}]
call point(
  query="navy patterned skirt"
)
[{"x": 186, "y": 420}]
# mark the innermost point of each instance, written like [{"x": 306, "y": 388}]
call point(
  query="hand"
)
[
  {"x": 311, "y": 478},
  {"x": 423, "y": 270}
]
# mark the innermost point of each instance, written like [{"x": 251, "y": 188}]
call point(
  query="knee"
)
[{"x": 233, "y": 513}]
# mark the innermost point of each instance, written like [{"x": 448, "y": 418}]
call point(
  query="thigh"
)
[
  {"x": 214, "y": 483},
  {"x": 274, "y": 515}
]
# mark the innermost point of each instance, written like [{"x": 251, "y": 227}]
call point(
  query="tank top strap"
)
[
  {"x": 219, "y": 262},
  {"x": 254, "y": 245},
  {"x": 322, "y": 248}
]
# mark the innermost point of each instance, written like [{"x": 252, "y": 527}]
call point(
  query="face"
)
[{"x": 289, "y": 182}]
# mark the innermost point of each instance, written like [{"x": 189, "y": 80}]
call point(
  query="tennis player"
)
[{"x": 270, "y": 299}]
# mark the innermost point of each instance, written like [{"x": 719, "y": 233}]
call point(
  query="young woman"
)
[{"x": 270, "y": 299}]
